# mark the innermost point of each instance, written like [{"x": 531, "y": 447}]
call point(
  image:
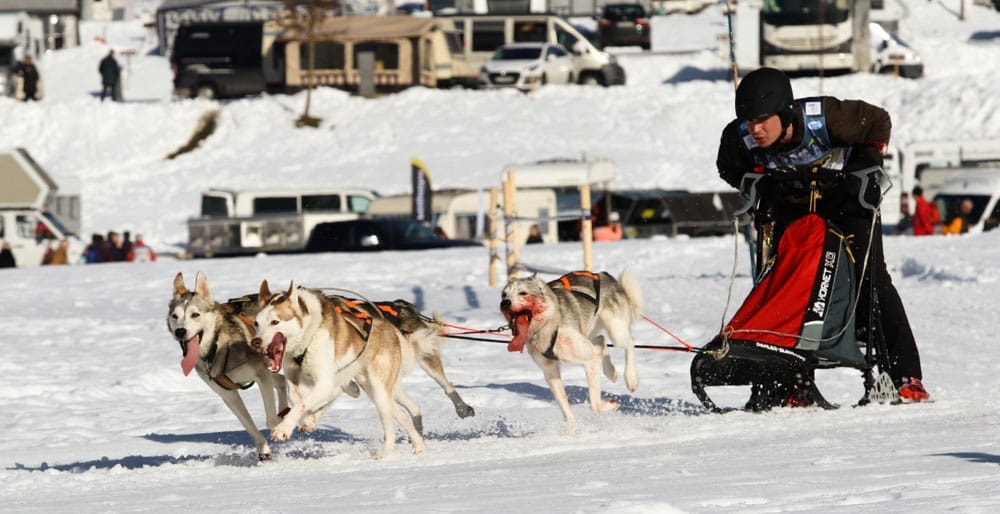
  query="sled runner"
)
[{"x": 800, "y": 316}]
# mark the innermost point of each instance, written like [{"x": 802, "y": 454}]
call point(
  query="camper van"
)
[
  {"x": 27, "y": 223},
  {"x": 247, "y": 222},
  {"x": 982, "y": 186},
  {"x": 483, "y": 34},
  {"x": 461, "y": 213}
]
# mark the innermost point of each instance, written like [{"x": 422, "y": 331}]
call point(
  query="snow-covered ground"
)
[{"x": 101, "y": 419}]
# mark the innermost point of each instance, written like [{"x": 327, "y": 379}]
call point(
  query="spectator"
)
[
  {"x": 926, "y": 214},
  {"x": 94, "y": 253},
  {"x": 959, "y": 223},
  {"x": 116, "y": 251},
  {"x": 110, "y": 75},
  {"x": 61, "y": 254},
  {"x": 7, "y": 256},
  {"x": 534, "y": 234},
  {"x": 610, "y": 232},
  {"x": 127, "y": 244},
  {"x": 28, "y": 73},
  {"x": 140, "y": 252}
]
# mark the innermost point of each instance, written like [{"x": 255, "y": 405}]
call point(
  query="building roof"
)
[
  {"x": 181, "y": 4},
  {"x": 361, "y": 28},
  {"x": 40, "y": 6}
]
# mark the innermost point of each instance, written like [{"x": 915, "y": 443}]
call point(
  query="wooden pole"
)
[
  {"x": 492, "y": 219},
  {"x": 587, "y": 229},
  {"x": 509, "y": 211}
]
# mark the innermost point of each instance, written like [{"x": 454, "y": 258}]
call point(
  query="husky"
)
[
  {"x": 216, "y": 344},
  {"x": 322, "y": 348},
  {"x": 560, "y": 321},
  {"x": 422, "y": 332}
]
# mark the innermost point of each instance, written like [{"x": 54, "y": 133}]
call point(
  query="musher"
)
[{"x": 774, "y": 133}]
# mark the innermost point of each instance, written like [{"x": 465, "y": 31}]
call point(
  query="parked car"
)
[
  {"x": 218, "y": 60},
  {"x": 374, "y": 234},
  {"x": 527, "y": 65},
  {"x": 624, "y": 25},
  {"x": 890, "y": 53}
]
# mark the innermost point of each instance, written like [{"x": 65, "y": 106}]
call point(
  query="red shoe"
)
[{"x": 913, "y": 391}]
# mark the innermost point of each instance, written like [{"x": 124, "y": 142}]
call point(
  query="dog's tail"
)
[{"x": 632, "y": 291}]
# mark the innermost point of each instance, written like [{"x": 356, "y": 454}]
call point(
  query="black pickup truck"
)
[{"x": 218, "y": 60}]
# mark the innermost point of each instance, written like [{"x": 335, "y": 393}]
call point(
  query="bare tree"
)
[{"x": 306, "y": 16}]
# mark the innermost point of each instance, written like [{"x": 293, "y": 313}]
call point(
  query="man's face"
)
[{"x": 765, "y": 131}]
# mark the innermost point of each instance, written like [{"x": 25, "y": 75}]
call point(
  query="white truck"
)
[
  {"x": 27, "y": 199},
  {"x": 249, "y": 222},
  {"x": 20, "y": 35},
  {"x": 930, "y": 163}
]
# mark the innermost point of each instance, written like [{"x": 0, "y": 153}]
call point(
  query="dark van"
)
[{"x": 218, "y": 60}]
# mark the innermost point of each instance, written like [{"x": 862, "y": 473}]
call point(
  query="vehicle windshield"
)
[
  {"x": 623, "y": 12},
  {"x": 800, "y": 12},
  {"x": 408, "y": 230},
  {"x": 54, "y": 221},
  {"x": 517, "y": 54}
]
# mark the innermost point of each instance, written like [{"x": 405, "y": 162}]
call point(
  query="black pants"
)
[{"x": 108, "y": 90}]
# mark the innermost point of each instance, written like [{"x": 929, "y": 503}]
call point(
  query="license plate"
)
[
  {"x": 625, "y": 24},
  {"x": 504, "y": 79}
]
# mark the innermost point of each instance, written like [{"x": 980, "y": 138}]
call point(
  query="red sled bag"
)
[{"x": 799, "y": 316}]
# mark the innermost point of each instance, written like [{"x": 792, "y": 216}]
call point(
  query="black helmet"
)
[{"x": 763, "y": 92}]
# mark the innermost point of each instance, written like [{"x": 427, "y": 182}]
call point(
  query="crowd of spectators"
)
[{"x": 117, "y": 247}]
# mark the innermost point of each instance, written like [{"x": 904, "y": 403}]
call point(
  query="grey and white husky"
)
[
  {"x": 216, "y": 344},
  {"x": 560, "y": 321}
]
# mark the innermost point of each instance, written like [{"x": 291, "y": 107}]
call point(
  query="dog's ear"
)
[
  {"x": 264, "y": 295},
  {"x": 179, "y": 288},
  {"x": 292, "y": 294},
  {"x": 201, "y": 286}
]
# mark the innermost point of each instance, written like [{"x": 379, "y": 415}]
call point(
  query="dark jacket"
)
[
  {"x": 29, "y": 73},
  {"x": 854, "y": 124},
  {"x": 849, "y": 123},
  {"x": 110, "y": 70}
]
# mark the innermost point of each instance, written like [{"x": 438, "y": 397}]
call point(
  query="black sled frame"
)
[{"x": 781, "y": 376}]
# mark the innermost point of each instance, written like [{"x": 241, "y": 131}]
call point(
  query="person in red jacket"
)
[{"x": 925, "y": 215}]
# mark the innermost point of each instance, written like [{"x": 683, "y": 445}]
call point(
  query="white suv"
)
[{"x": 527, "y": 65}]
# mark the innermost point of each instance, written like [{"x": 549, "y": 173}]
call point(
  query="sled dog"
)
[
  {"x": 322, "y": 349},
  {"x": 560, "y": 321},
  {"x": 216, "y": 344},
  {"x": 421, "y": 332}
]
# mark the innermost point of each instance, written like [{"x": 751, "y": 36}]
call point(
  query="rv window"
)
[
  {"x": 275, "y": 205},
  {"x": 487, "y": 36},
  {"x": 213, "y": 206},
  {"x": 329, "y": 55},
  {"x": 386, "y": 54},
  {"x": 454, "y": 42},
  {"x": 320, "y": 203},
  {"x": 529, "y": 31},
  {"x": 358, "y": 204},
  {"x": 5, "y": 57}
]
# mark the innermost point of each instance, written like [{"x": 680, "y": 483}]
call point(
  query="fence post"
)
[
  {"x": 587, "y": 228},
  {"x": 509, "y": 211},
  {"x": 492, "y": 218}
]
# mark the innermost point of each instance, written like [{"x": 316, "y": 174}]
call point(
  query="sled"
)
[{"x": 800, "y": 316}]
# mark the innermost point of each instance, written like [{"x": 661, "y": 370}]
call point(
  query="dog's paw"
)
[
  {"x": 308, "y": 423},
  {"x": 281, "y": 433},
  {"x": 608, "y": 405},
  {"x": 419, "y": 448},
  {"x": 465, "y": 410},
  {"x": 632, "y": 382}
]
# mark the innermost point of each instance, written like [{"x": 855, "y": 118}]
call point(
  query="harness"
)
[
  {"x": 357, "y": 317},
  {"x": 222, "y": 379},
  {"x": 572, "y": 284},
  {"x": 814, "y": 149}
]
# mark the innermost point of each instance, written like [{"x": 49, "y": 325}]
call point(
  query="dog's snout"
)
[
  {"x": 505, "y": 304},
  {"x": 180, "y": 332}
]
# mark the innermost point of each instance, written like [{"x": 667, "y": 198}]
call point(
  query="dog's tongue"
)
[
  {"x": 190, "y": 355},
  {"x": 520, "y": 330},
  {"x": 276, "y": 352}
]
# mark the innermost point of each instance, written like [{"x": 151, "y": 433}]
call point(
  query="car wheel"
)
[{"x": 206, "y": 91}]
